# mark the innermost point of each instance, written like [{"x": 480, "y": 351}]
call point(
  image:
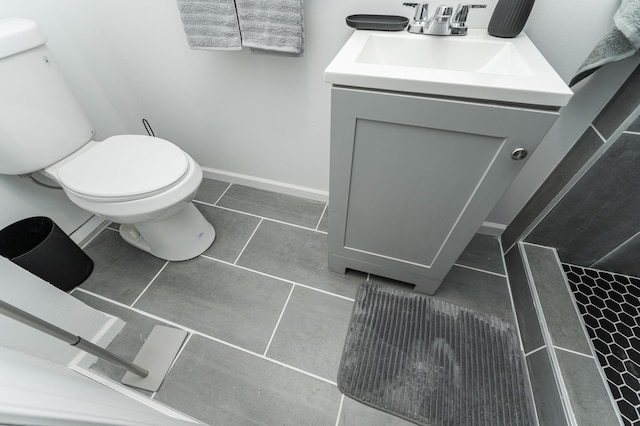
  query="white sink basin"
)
[{"x": 475, "y": 66}]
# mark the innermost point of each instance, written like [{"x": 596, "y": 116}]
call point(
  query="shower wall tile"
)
[
  {"x": 624, "y": 260},
  {"x": 555, "y": 299},
  {"x": 528, "y": 321},
  {"x": 572, "y": 162},
  {"x": 620, "y": 106},
  {"x": 600, "y": 211}
]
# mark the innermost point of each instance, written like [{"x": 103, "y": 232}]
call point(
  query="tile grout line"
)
[
  {"x": 275, "y": 329},
  {"x": 261, "y": 217},
  {"x": 520, "y": 340},
  {"x": 278, "y": 278},
  {"x": 150, "y": 282},
  {"x": 603, "y": 139},
  {"x": 223, "y": 194},
  {"x": 612, "y": 252},
  {"x": 321, "y": 216},
  {"x": 184, "y": 345},
  {"x": 248, "y": 241},
  {"x": 206, "y": 336},
  {"x": 535, "y": 350},
  {"x": 560, "y": 348},
  {"x": 482, "y": 270},
  {"x": 513, "y": 305},
  {"x": 339, "y": 410}
]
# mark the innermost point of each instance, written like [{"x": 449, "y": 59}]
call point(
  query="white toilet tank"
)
[{"x": 41, "y": 122}]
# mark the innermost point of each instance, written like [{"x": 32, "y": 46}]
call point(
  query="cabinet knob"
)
[{"x": 519, "y": 154}]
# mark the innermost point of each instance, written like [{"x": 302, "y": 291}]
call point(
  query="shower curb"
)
[{"x": 568, "y": 384}]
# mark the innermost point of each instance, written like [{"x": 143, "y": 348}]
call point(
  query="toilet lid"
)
[{"x": 124, "y": 167}]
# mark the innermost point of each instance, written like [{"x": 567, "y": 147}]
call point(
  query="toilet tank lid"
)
[{"x": 18, "y": 35}]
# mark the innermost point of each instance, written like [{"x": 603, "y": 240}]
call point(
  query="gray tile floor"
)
[{"x": 266, "y": 319}]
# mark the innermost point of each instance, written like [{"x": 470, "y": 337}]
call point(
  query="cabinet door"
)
[{"x": 413, "y": 178}]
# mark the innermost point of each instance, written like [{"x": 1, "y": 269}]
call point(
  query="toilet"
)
[{"x": 145, "y": 184}]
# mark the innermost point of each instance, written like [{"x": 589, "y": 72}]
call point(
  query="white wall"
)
[
  {"x": 566, "y": 32},
  {"x": 254, "y": 115}
]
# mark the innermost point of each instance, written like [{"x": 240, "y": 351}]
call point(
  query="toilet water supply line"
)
[
  {"x": 76, "y": 341},
  {"x": 147, "y": 127}
]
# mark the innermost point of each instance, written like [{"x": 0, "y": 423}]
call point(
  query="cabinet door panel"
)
[
  {"x": 414, "y": 177},
  {"x": 407, "y": 192}
]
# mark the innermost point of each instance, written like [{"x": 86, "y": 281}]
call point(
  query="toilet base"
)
[{"x": 183, "y": 236}]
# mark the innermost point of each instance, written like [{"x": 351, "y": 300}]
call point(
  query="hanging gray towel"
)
[
  {"x": 622, "y": 41},
  {"x": 210, "y": 24},
  {"x": 273, "y": 25}
]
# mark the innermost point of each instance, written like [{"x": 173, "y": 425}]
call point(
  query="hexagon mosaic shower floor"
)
[{"x": 609, "y": 304}]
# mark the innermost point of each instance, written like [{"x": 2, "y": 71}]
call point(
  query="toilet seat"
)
[{"x": 123, "y": 168}]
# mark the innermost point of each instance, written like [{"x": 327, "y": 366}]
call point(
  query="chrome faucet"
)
[{"x": 443, "y": 22}]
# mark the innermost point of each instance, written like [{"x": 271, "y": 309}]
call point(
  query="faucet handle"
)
[
  {"x": 443, "y": 13},
  {"x": 459, "y": 20},
  {"x": 422, "y": 11},
  {"x": 463, "y": 10}
]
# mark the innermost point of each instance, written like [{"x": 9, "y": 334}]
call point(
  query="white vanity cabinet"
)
[{"x": 413, "y": 177}]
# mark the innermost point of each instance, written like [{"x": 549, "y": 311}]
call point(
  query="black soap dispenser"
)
[{"x": 509, "y": 17}]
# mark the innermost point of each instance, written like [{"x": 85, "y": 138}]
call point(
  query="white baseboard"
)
[
  {"x": 493, "y": 229},
  {"x": 267, "y": 184},
  {"x": 88, "y": 230}
]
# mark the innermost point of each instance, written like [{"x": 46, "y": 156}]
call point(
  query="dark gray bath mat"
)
[{"x": 432, "y": 362}]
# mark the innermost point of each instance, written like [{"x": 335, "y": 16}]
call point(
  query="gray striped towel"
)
[
  {"x": 273, "y": 25},
  {"x": 210, "y": 24}
]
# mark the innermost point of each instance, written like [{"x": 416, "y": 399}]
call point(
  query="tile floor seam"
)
[
  {"x": 228, "y": 209},
  {"x": 175, "y": 359},
  {"x": 150, "y": 282},
  {"x": 278, "y": 278},
  {"x": 321, "y": 216},
  {"x": 206, "y": 336},
  {"x": 602, "y": 138},
  {"x": 339, "y": 409},
  {"x": 535, "y": 350},
  {"x": 248, "y": 241},
  {"x": 275, "y": 329},
  {"x": 262, "y": 217},
  {"x": 480, "y": 270},
  {"x": 560, "y": 348},
  {"x": 223, "y": 193}
]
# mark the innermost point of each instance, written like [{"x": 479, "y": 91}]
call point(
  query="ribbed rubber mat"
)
[{"x": 432, "y": 362}]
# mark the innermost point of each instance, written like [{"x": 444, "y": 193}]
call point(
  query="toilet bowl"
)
[{"x": 145, "y": 184}]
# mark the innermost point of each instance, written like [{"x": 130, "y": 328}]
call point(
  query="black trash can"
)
[{"x": 38, "y": 245}]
